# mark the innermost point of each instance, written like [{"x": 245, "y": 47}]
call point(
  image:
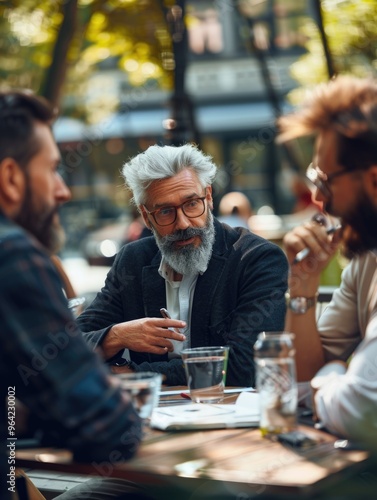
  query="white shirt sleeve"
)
[
  {"x": 343, "y": 323},
  {"x": 339, "y": 324},
  {"x": 347, "y": 404}
]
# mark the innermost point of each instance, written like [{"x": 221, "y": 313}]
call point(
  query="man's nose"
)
[
  {"x": 182, "y": 221},
  {"x": 319, "y": 197},
  {"x": 62, "y": 192}
]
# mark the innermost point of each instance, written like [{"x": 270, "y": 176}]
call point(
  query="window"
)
[
  {"x": 276, "y": 23},
  {"x": 204, "y": 27}
]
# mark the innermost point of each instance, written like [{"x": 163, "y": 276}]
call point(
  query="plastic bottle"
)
[{"x": 276, "y": 382}]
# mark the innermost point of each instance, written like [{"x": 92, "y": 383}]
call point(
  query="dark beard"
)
[
  {"x": 188, "y": 260},
  {"x": 359, "y": 228},
  {"x": 40, "y": 224}
]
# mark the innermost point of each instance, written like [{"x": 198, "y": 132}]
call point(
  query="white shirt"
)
[
  {"x": 347, "y": 404},
  {"x": 179, "y": 297}
]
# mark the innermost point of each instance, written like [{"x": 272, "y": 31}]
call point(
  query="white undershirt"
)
[{"x": 179, "y": 298}]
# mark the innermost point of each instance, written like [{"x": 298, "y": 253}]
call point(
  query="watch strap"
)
[{"x": 299, "y": 304}]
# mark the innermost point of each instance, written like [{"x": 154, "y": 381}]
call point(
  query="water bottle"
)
[{"x": 276, "y": 382}]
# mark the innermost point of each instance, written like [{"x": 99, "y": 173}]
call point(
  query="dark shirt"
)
[
  {"x": 239, "y": 295},
  {"x": 44, "y": 358}
]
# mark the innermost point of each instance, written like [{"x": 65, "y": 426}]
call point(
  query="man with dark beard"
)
[
  {"x": 72, "y": 399},
  {"x": 221, "y": 285},
  {"x": 343, "y": 116}
]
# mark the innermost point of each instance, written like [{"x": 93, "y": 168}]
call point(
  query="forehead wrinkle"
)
[{"x": 174, "y": 190}]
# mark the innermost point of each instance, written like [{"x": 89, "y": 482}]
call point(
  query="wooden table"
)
[{"x": 218, "y": 464}]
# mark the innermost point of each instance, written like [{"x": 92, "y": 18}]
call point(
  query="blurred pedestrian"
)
[
  {"x": 235, "y": 209},
  {"x": 137, "y": 228}
]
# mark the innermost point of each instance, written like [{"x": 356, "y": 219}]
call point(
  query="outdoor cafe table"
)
[{"x": 217, "y": 464}]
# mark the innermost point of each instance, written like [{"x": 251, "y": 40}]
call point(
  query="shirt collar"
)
[{"x": 166, "y": 272}]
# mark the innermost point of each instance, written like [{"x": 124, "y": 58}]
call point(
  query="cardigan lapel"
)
[{"x": 206, "y": 287}]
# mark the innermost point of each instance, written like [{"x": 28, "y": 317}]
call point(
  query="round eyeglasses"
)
[
  {"x": 321, "y": 180},
  {"x": 165, "y": 216}
]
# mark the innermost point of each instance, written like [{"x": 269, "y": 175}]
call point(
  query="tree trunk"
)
[
  {"x": 182, "y": 116},
  {"x": 55, "y": 75}
]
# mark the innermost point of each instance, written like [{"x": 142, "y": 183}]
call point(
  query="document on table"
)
[{"x": 244, "y": 413}]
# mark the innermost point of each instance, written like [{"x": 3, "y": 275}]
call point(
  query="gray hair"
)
[{"x": 162, "y": 162}]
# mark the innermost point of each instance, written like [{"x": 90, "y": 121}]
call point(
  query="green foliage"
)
[
  {"x": 26, "y": 36},
  {"x": 351, "y": 30},
  {"x": 129, "y": 34},
  {"x": 133, "y": 32}
]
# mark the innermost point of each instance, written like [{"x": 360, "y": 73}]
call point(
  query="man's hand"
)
[
  {"x": 322, "y": 247},
  {"x": 143, "y": 335}
]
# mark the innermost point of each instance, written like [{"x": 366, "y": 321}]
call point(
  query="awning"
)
[
  {"x": 141, "y": 123},
  {"x": 67, "y": 129}
]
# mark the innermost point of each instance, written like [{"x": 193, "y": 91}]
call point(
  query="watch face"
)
[{"x": 299, "y": 305}]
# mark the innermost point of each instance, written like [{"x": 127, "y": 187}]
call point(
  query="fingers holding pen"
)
[
  {"x": 312, "y": 239},
  {"x": 169, "y": 328},
  {"x": 152, "y": 335},
  {"x": 315, "y": 238}
]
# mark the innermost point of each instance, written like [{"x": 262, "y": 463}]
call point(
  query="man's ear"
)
[
  {"x": 12, "y": 181},
  {"x": 145, "y": 216},
  {"x": 209, "y": 197}
]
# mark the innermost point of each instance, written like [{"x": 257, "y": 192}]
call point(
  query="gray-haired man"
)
[{"x": 221, "y": 285}]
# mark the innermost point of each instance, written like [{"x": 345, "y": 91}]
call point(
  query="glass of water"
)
[
  {"x": 144, "y": 389},
  {"x": 206, "y": 372},
  {"x": 76, "y": 306}
]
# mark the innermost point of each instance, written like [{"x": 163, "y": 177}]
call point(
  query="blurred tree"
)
[
  {"x": 351, "y": 32},
  {"x": 181, "y": 126},
  {"x": 49, "y": 46},
  {"x": 55, "y": 75}
]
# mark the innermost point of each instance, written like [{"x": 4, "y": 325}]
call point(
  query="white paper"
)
[
  {"x": 226, "y": 391},
  {"x": 244, "y": 413}
]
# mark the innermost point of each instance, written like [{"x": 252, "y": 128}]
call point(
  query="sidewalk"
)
[{"x": 85, "y": 279}]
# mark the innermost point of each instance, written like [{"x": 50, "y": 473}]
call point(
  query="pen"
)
[
  {"x": 165, "y": 313},
  {"x": 306, "y": 251},
  {"x": 185, "y": 395}
]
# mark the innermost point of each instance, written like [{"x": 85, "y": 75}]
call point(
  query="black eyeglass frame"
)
[
  {"x": 323, "y": 181},
  {"x": 181, "y": 206}
]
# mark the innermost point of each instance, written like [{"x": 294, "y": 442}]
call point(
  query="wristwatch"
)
[
  {"x": 299, "y": 305},
  {"x": 123, "y": 362}
]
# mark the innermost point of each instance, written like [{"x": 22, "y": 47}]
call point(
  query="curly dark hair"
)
[{"x": 347, "y": 105}]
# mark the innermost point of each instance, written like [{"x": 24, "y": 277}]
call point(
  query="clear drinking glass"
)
[
  {"x": 144, "y": 389},
  {"x": 76, "y": 305},
  {"x": 206, "y": 372}
]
